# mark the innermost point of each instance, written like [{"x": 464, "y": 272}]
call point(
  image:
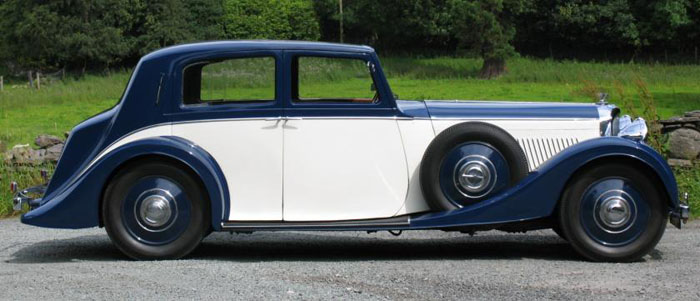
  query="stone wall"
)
[
  {"x": 50, "y": 148},
  {"x": 683, "y": 138}
]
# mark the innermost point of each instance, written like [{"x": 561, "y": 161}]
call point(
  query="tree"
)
[
  {"x": 662, "y": 21},
  {"x": 55, "y": 34},
  {"x": 391, "y": 25},
  {"x": 595, "y": 29},
  {"x": 82, "y": 34},
  {"x": 606, "y": 24},
  {"x": 487, "y": 28},
  {"x": 270, "y": 19},
  {"x": 205, "y": 19},
  {"x": 157, "y": 24}
]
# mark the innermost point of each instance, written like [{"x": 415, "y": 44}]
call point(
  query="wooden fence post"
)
[
  {"x": 2, "y": 83},
  {"x": 38, "y": 80},
  {"x": 340, "y": 7},
  {"x": 31, "y": 79}
]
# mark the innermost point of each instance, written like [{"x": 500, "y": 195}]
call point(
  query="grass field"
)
[{"x": 58, "y": 106}]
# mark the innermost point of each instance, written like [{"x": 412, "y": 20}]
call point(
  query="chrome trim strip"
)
[
  {"x": 389, "y": 223},
  {"x": 513, "y": 118},
  {"x": 467, "y": 101}
]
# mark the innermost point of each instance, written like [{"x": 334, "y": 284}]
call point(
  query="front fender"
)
[
  {"x": 537, "y": 195},
  {"x": 77, "y": 205}
]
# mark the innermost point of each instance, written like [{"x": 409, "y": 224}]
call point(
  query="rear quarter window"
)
[{"x": 236, "y": 80}]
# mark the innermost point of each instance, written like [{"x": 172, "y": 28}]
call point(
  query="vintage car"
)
[{"x": 247, "y": 136}]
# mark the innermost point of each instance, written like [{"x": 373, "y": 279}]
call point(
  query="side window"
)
[
  {"x": 237, "y": 80},
  {"x": 332, "y": 80}
]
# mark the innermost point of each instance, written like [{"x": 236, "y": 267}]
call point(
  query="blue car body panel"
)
[
  {"x": 537, "y": 195},
  {"x": 77, "y": 205},
  {"x": 72, "y": 198},
  {"x": 496, "y": 109}
]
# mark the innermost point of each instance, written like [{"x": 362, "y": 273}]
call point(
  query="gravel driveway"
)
[{"x": 70, "y": 264}]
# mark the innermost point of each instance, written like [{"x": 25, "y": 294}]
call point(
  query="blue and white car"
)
[{"x": 246, "y": 136}]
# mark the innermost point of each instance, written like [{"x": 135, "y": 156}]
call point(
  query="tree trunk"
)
[{"x": 493, "y": 67}]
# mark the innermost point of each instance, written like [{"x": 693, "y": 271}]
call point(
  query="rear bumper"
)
[{"x": 24, "y": 196}]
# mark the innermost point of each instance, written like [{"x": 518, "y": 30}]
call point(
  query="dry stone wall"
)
[{"x": 683, "y": 138}]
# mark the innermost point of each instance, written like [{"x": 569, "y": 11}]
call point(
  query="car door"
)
[
  {"x": 343, "y": 155},
  {"x": 231, "y": 109}
]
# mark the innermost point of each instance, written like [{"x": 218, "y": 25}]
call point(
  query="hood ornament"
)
[{"x": 602, "y": 98}]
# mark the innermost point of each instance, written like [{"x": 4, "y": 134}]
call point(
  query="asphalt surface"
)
[{"x": 38, "y": 264}]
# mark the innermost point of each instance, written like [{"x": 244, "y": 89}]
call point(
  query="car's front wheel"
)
[
  {"x": 613, "y": 212},
  {"x": 155, "y": 210}
]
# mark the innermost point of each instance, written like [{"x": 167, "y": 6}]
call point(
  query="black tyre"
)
[
  {"x": 613, "y": 212},
  {"x": 155, "y": 210},
  {"x": 558, "y": 231},
  {"x": 470, "y": 162}
]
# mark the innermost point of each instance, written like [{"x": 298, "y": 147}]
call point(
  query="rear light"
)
[{"x": 13, "y": 187}]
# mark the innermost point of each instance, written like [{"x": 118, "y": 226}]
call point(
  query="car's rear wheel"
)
[
  {"x": 468, "y": 163},
  {"x": 155, "y": 210},
  {"x": 613, "y": 212}
]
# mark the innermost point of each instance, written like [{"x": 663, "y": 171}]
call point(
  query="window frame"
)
[
  {"x": 227, "y": 102},
  {"x": 295, "y": 76},
  {"x": 178, "y": 112},
  {"x": 385, "y": 99}
]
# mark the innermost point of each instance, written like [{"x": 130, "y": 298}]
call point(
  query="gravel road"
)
[{"x": 82, "y": 264}]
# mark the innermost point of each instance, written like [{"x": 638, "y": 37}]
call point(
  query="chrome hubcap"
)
[
  {"x": 474, "y": 176},
  {"x": 614, "y": 212},
  {"x": 155, "y": 210}
]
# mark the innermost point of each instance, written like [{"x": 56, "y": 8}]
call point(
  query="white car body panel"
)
[
  {"x": 325, "y": 169},
  {"x": 342, "y": 169},
  {"x": 249, "y": 153},
  {"x": 416, "y": 135}
]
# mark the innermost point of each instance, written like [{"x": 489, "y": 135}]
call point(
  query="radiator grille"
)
[{"x": 539, "y": 150}]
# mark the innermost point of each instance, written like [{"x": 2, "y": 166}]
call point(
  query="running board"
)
[{"x": 392, "y": 223}]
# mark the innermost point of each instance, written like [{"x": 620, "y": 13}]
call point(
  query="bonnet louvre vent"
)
[{"x": 539, "y": 150}]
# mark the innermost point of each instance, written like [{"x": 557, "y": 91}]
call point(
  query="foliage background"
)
[{"x": 98, "y": 34}]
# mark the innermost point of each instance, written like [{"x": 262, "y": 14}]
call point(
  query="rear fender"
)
[{"x": 77, "y": 206}]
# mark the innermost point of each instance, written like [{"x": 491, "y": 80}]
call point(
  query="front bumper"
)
[
  {"x": 680, "y": 214},
  {"x": 27, "y": 196}
]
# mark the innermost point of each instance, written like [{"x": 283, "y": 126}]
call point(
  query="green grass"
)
[
  {"x": 676, "y": 89},
  {"x": 58, "y": 106}
]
